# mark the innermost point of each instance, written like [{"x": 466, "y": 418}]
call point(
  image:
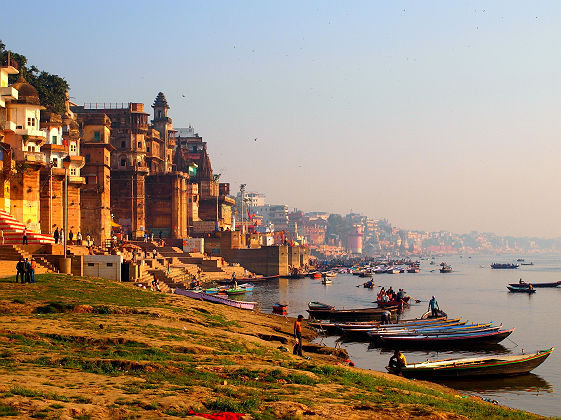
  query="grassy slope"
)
[{"x": 91, "y": 348}]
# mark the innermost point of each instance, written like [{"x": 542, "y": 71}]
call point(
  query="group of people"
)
[
  {"x": 58, "y": 235},
  {"x": 25, "y": 270},
  {"x": 391, "y": 295}
]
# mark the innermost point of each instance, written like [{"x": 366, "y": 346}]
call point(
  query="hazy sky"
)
[{"x": 442, "y": 115}]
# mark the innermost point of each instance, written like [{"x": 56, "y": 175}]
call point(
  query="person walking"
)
[
  {"x": 79, "y": 238},
  {"x": 32, "y": 267},
  {"x": 24, "y": 236},
  {"x": 433, "y": 307},
  {"x": 19, "y": 270},
  {"x": 298, "y": 335},
  {"x": 56, "y": 235}
]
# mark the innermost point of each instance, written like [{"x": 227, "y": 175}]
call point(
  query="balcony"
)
[
  {"x": 8, "y": 93},
  {"x": 31, "y": 132},
  {"x": 31, "y": 157}
]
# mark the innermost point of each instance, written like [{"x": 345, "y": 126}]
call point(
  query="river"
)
[{"x": 472, "y": 291}]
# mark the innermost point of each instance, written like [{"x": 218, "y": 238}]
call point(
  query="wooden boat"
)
[
  {"x": 446, "y": 269},
  {"x": 382, "y": 304},
  {"x": 413, "y": 270},
  {"x": 514, "y": 289},
  {"x": 280, "y": 309},
  {"x": 530, "y": 263},
  {"x": 335, "y": 326},
  {"x": 247, "y": 279},
  {"x": 498, "y": 365},
  {"x": 362, "y": 314},
  {"x": 432, "y": 340},
  {"x": 369, "y": 284},
  {"x": 501, "y": 266},
  {"x": 247, "y": 286},
  {"x": 315, "y": 275},
  {"x": 375, "y": 330},
  {"x": 331, "y": 274},
  {"x": 216, "y": 299},
  {"x": 319, "y": 305},
  {"x": 326, "y": 281},
  {"x": 212, "y": 290},
  {"x": 534, "y": 285}
]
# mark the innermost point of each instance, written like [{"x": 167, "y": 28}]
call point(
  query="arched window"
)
[{"x": 123, "y": 161}]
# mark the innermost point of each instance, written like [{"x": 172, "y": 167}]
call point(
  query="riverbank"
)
[{"x": 76, "y": 347}]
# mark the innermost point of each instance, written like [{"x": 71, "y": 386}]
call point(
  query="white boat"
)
[
  {"x": 327, "y": 281},
  {"x": 216, "y": 299}
]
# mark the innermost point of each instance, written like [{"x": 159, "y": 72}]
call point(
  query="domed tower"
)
[{"x": 163, "y": 124}]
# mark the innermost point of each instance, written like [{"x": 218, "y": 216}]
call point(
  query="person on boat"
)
[
  {"x": 530, "y": 287},
  {"x": 298, "y": 335},
  {"x": 521, "y": 281},
  {"x": 390, "y": 293},
  {"x": 382, "y": 293},
  {"x": 397, "y": 361},
  {"x": 433, "y": 307}
]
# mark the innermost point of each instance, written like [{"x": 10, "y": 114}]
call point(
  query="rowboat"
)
[
  {"x": 315, "y": 275},
  {"x": 319, "y": 305},
  {"x": 413, "y": 270},
  {"x": 431, "y": 340},
  {"x": 515, "y": 289},
  {"x": 326, "y": 281},
  {"x": 247, "y": 279},
  {"x": 516, "y": 364},
  {"x": 534, "y": 285},
  {"x": 382, "y": 303},
  {"x": 216, "y": 299},
  {"x": 502, "y": 266},
  {"x": 362, "y": 314},
  {"x": 280, "y": 309},
  {"x": 335, "y": 326},
  {"x": 446, "y": 269},
  {"x": 375, "y": 330}
]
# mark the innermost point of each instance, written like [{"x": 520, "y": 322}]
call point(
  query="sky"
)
[{"x": 435, "y": 115}]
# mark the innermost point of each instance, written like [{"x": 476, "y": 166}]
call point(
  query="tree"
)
[{"x": 50, "y": 87}]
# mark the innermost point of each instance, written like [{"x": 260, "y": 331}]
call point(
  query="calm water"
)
[{"x": 474, "y": 292}]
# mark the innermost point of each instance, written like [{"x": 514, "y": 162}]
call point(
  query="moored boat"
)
[
  {"x": 446, "y": 269},
  {"x": 404, "y": 301},
  {"x": 216, "y": 299},
  {"x": 319, "y": 305},
  {"x": 503, "y": 365},
  {"x": 247, "y": 279},
  {"x": 280, "y": 309},
  {"x": 432, "y": 340},
  {"x": 361, "y": 314}
]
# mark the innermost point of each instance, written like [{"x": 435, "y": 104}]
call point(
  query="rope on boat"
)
[{"x": 515, "y": 344}]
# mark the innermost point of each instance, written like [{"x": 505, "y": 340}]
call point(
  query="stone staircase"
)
[
  {"x": 10, "y": 255},
  {"x": 13, "y": 231}
]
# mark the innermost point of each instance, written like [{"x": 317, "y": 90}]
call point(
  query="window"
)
[
  {"x": 73, "y": 147},
  {"x": 29, "y": 122},
  {"x": 148, "y": 149},
  {"x": 106, "y": 160},
  {"x": 140, "y": 145},
  {"x": 54, "y": 140},
  {"x": 72, "y": 171},
  {"x": 96, "y": 136},
  {"x": 123, "y": 144},
  {"x": 109, "y": 264},
  {"x": 87, "y": 158},
  {"x": 91, "y": 264},
  {"x": 123, "y": 162},
  {"x": 55, "y": 162}
]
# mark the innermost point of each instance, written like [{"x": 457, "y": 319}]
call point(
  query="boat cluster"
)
[{"x": 385, "y": 267}]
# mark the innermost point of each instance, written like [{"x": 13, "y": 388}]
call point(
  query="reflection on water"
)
[
  {"x": 529, "y": 383},
  {"x": 474, "y": 292}
]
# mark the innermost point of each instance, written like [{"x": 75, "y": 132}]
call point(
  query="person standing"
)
[
  {"x": 32, "y": 267},
  {"x": 1, "y": 237},
  {"x": 61, "y": 236},
  {"x": 145, "y": 237},
  {"x": 79, "y": 238},
  {"x": 19, "y": 271},
  {"x": 298, "y": 335},
  {"x": 433, "y": 307},
  {"x": 27, "y": 271},
  {"x": 24, "y": 236},
  {"x": 56, "y": 235},
  {"x": 70, "y": 236}
]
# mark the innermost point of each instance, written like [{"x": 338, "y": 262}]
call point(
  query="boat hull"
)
[
  {"x": 446, "y": 340},
  {"x": 367, "y": 314},
  {"x": 486, "y": 366},
  {"x": 534, "y": 285},
  {"x": 216, "y": 299}
]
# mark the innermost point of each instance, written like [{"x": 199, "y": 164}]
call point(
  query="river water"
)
[{"x": 474, "y": 292}]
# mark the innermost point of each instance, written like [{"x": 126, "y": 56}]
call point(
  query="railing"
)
[{"x": 106, "y": 105}]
